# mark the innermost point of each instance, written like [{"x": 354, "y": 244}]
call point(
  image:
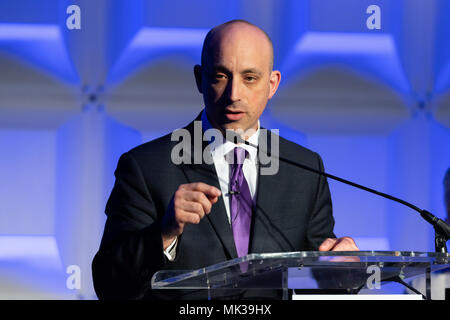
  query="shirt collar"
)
[{"x": 226, "y": 146}]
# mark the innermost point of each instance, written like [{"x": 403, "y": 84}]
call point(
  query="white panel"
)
[
  {"x": 30, "y": 268},
  {"x": 27, "y": 175},
  {"x": 357, "y": 297}
]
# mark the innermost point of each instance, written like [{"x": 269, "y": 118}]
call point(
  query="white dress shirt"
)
[{"x": 218, "y": 153}]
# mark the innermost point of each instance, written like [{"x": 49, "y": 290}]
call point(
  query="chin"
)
[
  {"x": 245, "y": 133},
  {"x": 233, "y": 126}
]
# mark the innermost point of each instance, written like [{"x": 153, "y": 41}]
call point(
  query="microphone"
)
[{"x": 442, "y": 229}]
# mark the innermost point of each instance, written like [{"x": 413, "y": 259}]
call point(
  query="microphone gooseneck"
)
[{"x": 442, "y": 229}]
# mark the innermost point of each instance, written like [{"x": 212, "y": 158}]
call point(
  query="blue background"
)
[{"x": 374, "y": 103}]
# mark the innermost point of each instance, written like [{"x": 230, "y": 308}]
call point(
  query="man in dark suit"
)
[{"x": 183, "y": 215}]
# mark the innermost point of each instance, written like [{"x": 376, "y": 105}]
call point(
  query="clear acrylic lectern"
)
[{"x": 309, "y": 271}]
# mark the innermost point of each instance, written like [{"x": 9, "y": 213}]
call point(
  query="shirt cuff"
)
[{"x": 171, "y": 250}]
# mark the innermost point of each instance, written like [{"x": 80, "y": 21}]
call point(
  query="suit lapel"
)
[
  {"x": 264, "y": 235},
  {"x": 206, "y": 173}
]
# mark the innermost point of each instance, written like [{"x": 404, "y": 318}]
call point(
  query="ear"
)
[
  {"x": 198, "y": 77},
  {"x": 274, "y": 81}
]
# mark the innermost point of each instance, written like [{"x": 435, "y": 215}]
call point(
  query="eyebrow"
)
[
  {"x": 245, "y": 71},
  {"x": 252, "y": 70}
]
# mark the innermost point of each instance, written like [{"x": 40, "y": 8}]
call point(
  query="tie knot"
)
[{"x": 239, "y": 155}]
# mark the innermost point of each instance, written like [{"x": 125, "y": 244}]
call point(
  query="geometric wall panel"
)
[
  {"x": 152, "y": 43},
  {"x": 33, "y": 98},
  {"x": 40, "y": 45},
  {"x": 442, "y": 110},
  {"x": 161, "y": 97},
  {"x": 336, "y": 100},
  {"x": 372, "y": 55}
]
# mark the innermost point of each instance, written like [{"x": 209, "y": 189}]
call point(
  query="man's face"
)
[{"x": 236, "y": 81}]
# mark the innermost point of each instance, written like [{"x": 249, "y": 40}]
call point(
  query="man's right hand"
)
[{"x": 190, "y": 203}]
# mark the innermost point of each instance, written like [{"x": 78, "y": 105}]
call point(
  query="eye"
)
[
  {"x": 220, "y": 76},
  {"x": 250, "y": 78}
]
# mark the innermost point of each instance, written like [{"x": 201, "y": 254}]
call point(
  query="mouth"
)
[{"x": 234, "y": 115}]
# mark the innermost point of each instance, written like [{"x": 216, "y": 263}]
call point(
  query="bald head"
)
[
  {"x": 235, "y": 30},
  {"x": 236, "y": 77}
]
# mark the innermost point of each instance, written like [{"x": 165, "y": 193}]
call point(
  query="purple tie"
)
[{"x": 241, "y": 203}]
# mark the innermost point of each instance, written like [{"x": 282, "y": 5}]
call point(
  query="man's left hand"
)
[{"x": 338, "y": 244}]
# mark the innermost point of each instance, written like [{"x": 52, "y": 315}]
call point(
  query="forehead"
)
[{"x": 239, "y": 46}]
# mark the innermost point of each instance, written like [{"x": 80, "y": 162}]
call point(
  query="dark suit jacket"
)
[{"x": 293, "y": 213}]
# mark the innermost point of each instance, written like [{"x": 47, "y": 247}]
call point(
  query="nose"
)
[{"x": 234, "y": 89}]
